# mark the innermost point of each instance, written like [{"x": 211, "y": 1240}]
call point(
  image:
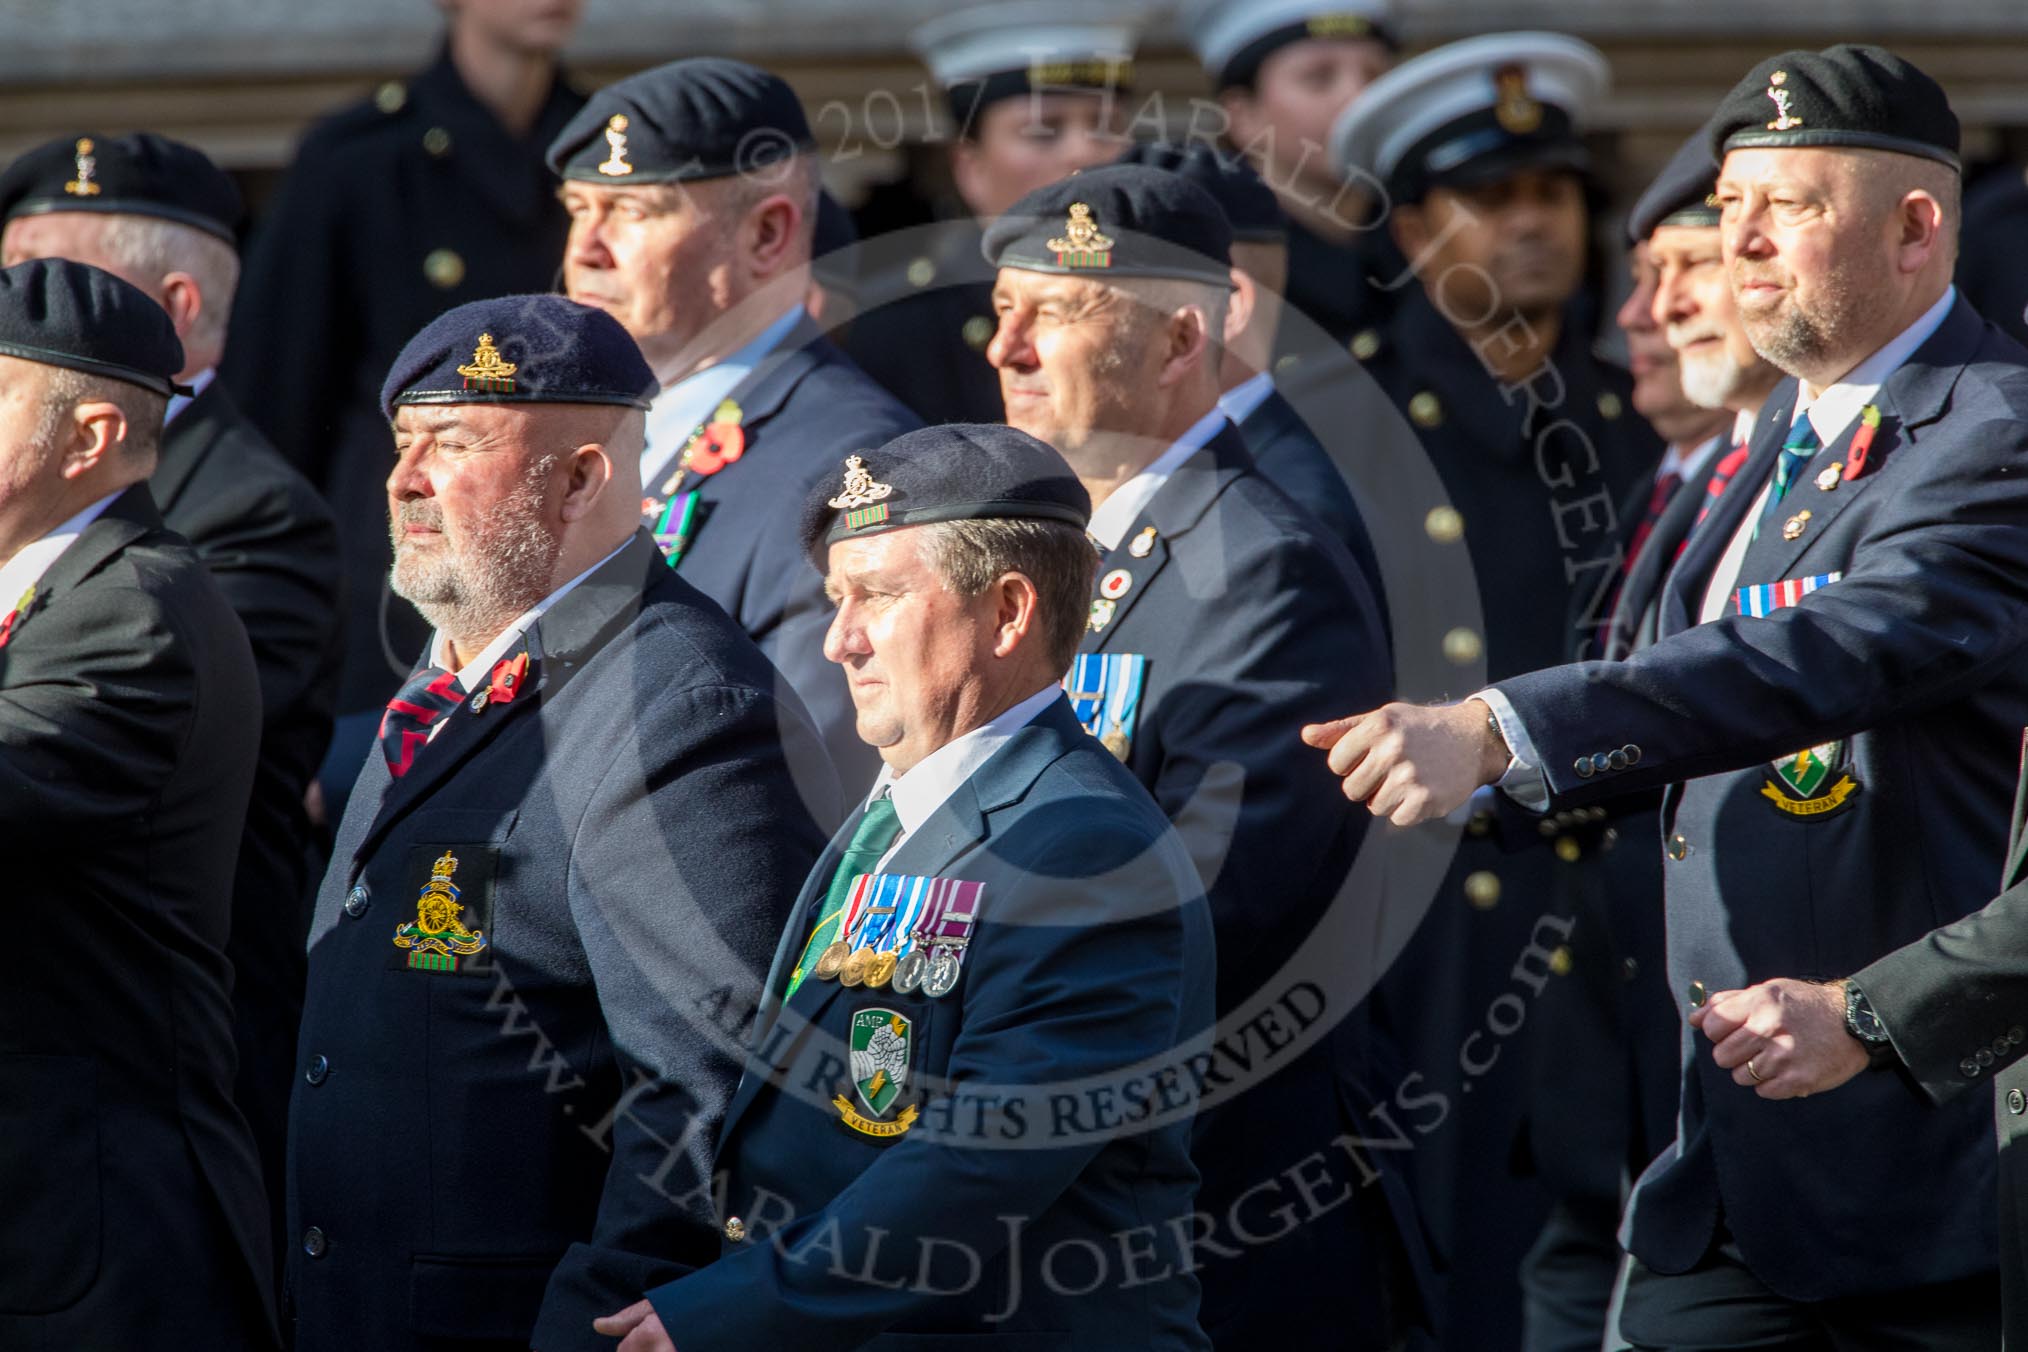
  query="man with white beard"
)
[{"x": 558, "y": 878}]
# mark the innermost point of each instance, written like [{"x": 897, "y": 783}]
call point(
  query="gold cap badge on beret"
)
[
  {"x": 862, "y": 496},
  {"x": 1783, "y": 121},
  {"x": 615, "y": 164},
  {"x": 487, "y": 370},
  {"x": 1338, "y": 26},
  {"x": 1081, "y": 245},
  {"x": 85, "y": 184},
  {"x": 1517, "y": 110}
]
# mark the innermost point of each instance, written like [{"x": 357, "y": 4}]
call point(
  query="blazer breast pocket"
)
[{"x": 449, "y": 870}]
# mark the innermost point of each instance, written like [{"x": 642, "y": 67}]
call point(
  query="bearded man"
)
[{"x": 558, "y": 877}]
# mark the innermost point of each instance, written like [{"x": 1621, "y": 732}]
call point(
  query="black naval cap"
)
[
  {"x": 1119, "y": 220},
  {"x": 703, "y": 117},
  {"x": 1850, "y": 95},
  {"x": 60, "y": 313},
  {"x": 1684, "y": 193},
  {"x": 1249, "y": 204},
  {"x": 520, "y": 350},
  {"x": 139, "y": 174},
  {"x": 955, "y": 472}
]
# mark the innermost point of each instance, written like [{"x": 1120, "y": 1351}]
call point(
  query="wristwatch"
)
[{"x": 1862, "y": 1023}]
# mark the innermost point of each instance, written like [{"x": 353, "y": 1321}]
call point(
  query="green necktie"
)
[
  {"x": 872, "y": 838},
  {"x": 1801, "y": 447}
]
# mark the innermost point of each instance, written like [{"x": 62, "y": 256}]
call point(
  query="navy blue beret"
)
[
  {"x": 520, "y": 350},
  {"x": 955, "y": 472},
  {"x": 704, "y": 117},
  {"x": 1249, "y": 204},
  {"x": 1120, "y": 220},
  {"x": 140, "y": 174},
  {"x": 1849, "y": 95},
  {"x": 61, "y": 313},
  {"x": 1682, "y": 194}
]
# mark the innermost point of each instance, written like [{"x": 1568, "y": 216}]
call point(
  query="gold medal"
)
[
  {"x": 854, "y": 971},
  {"x": 1116, "y": 742},
  {"x": 880, "y": 971},
  {"x": 831, "y": 961}
]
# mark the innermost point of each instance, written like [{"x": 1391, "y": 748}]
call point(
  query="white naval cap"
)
[
  {"x": 1233, "y": 37},
  {"x": 984, "y": 41},
  {"x": 1473, "y": 112}
]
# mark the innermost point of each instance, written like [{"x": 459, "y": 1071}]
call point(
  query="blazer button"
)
[
  {"x": 1601, "y": 762},
  {"x": 735, "y": 1229},
  {"x": 2001, "y": 1046},
  {"x": 314, "y": 1243},
  {"x": 1633, "y": 753},
  {"x": 357, "y": 900},
  {"x": 1582, "y": 765},
  {"x": 2017, "y": 1102},
  {"x": 2016, "y": 1036},
  {"x": 319, "y": 1070},
  {"x": 1970, "y": 1068},
  {"x": 1678, "y": 847},
  {"x": 1618, "y": 760},
  {"x": 1983, "y": 1056}
]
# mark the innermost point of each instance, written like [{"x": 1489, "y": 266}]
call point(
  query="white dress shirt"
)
[
  {"x": 1114, "y": 517},
  {"x": 475, "y": 672},
  {"x": 678, "y": 410},
  {"x": 923, "y": 790},
  {"x": 28, "y": 565}
]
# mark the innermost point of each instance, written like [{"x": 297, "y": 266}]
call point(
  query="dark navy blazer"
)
[{"x": 1913, "y": 662}]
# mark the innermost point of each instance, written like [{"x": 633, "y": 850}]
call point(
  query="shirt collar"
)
[
  {"x": 33, "y": 559},
  {"x": 1113, "y": 517},
  {"x": 475, "y": 671},
  {"x": 1242, "y": 399},
  {"x": 924, "y": 789},
  {"x": 1684, "y": 461},
  {"x": 1742, "y": 425},
  {"x": 1834, "y": 408},
  {"x": 688, "y": 403},
  {"x": 179, "y": 402}
]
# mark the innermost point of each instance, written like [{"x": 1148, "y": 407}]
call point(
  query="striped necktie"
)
[
  {"x": 428, "y": 694},
  {"x": 872, "y": 838},
  {"x": 1801, "y": 447}
]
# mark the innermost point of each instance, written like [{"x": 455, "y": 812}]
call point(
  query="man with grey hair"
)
[
  {"x": 1223, "y": 613},
  {"x": 160, "y": 215},
  {"x": 692, "y": 195}
]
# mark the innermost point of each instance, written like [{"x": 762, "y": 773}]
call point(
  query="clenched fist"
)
[{"x": 1411, "y": 763}]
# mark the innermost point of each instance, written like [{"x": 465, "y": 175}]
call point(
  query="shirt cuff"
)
[{"x": 1523, "y": 781}]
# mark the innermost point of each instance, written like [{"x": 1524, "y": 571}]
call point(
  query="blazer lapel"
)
[
  {"x": 1176, "y": 507},
  {"x": 1683, "y": 591}
]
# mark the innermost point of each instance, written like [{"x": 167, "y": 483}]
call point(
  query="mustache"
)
[
  {"x": 418, "y": 512},
  {"x": 1681, "y": 336}
]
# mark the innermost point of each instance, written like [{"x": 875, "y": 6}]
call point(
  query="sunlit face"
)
[
  {"x": 1021, "y": 144},
  {"x": 1650, "y": 359},
  {"x": 536, "y": 26},
  {"x": 1693, "y": 304},
  {"x": 1515, "y": 245},
  {"x": 1074, "y": 356},
  {"x": 1801, "y": 240},
  {"x": 29, "y": 448},
  {"x": 1297, "y": 94},
  {"x": 653, "y": 256},
  {"x": 474, "y": 514},
  {"x": 912, "y": 650}
]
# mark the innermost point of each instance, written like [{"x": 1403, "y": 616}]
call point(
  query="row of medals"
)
[{"x": 936, "y": 974}]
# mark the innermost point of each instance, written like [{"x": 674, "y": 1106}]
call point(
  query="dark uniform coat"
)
[
  {"x": 1333, "y": 285},
  {"x": 1955, "y": 1007},
  {"x": 924, "y": 322},
  {"x": 1989, "y": 250},
  {"x": 1090, "y": 966},
  {"x": 1538, "y": 490},
  {"x": 503, "y": 1152},
  {"x": 129, "y": 723},
  {"x": 395, "y": 210},
  {"x": 1905, "y": 678},
  {"x": 1253, "y": 622},
  {"x": 805, "y": 408},
  {"x": 272, "y": 547}
]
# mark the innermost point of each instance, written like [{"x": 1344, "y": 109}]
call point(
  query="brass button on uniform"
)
[
  {"x": 1609, "y": 406},
  {"x": 978, "y": 332},
  {"x": 735, "y": 1229},
  {"x": 437, "y": 142},
  {"x": 1482, "y": 889},
  {"x": 1678, "y": 847},
  {"x": 1568, "y": 850},
  {"x": 1444, "y": 525},
  {"x": 922, "y": 272},
  {"x": 1426, "y": 410},
  {"x": 391, "y": 97},
  {"x": 1365, "y": 344},
  {"x": 1462, "y": 646},
  {"x": 1560, "y": 961},
  {"x": 444, "y": 268}
]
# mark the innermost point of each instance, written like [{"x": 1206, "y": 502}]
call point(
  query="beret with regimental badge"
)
[
  {"x": 139, "y": 174},
  {"x": 520, "y": 350},
  {"x": 1473, "y": 113},
  {"x": 1684, "y": 193},
  {"x": 1234, "y": 37},
  {"x": 1119, "y": 220},
  {"x": 986, "y": 53},
  {"x": 1848, "y": 96},
  {"x": 699, "y": 118},
  {"x": 1250, "y": 206},
  {"x": 955, "y": 472},
  {"x": 59, "y": 313}
]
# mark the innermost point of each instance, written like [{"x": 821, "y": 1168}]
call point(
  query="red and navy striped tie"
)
[{"x": 427, "y": 696}]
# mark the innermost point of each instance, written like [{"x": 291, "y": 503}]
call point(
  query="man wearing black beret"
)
[
  {"x": 557, "y": 881},
  {"x": 692, "y": 195},
  {"x": 429, "y": 194},
  {"x": 160, "y": 215},
  {"x": 129, "y": 725},
  {"x": 1834, "y": 704},
  {"x": 1005, "y": 922},
  {"x": 1223, "y": 613}
]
